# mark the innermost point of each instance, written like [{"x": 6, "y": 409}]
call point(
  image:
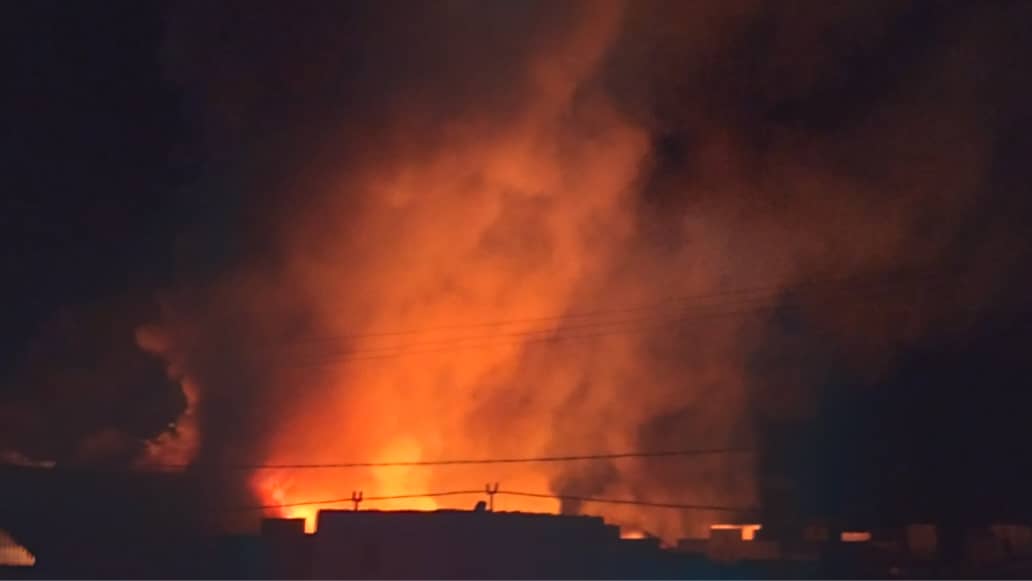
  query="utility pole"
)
[
  {"x": 356, "y": 498},
  {"x": 491, "y": 492}
]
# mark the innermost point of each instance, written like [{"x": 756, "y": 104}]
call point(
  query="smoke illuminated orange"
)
[
  {"x": 447, "y": 224},
  {"x": 407, "y": 259}
]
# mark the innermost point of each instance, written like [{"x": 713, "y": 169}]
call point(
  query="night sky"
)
[
  {"x": 97, "y": 151},
  {"x": 117, "y": 185}
]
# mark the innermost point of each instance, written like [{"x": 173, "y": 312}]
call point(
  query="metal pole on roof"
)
[{"x": 491, "y": 492}]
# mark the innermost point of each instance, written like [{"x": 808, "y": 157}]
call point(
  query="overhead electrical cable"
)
[
  {"x": 585, "y": 499},
  {"x": 470, "y": 461}
]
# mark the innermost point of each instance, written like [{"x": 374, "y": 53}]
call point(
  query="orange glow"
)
[
  {"x": 748, "y": 530},
  {"x": 855, "y": 536},
  {"x": 429, "y": 223},
  {"x": 347, "y": 308},
  {"x": 632, "y": 534},
  {"x": 414, "y": 248},
  {"x": 306, "y": 512}
]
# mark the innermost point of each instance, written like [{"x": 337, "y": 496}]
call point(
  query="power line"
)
[
  {"x": 661, "y": 304},
  {"x": 672, "y": 505},
  {"x": 364, "y": 499},
  {"x": 599, "y": 327},
  {"x": 562, "y": 337},
  {"x": 563, "y": 333},
  {"x": 608, "y": 328},
  {"x": 586, "y": 499},
  {"x": 766, "y": 291},
  {"x": 541, "y": 333},
  {"x": 478, "y": 461}
]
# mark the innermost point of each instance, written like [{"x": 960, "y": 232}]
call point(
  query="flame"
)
[
  {"x": 414, "y": 246},
  {"x": 632, "y": 534},
  {"x": 284, "y": 490},
  {"x": 426, "y": 405},
  {"x": 511, "y": 178},
  {"x": 748, "y": 530},
  {"x": 276, "y": 490},
  {"x": 308, "y": 513}
]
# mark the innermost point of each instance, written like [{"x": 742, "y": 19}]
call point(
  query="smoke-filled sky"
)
[{"x": 249, "y": 233}]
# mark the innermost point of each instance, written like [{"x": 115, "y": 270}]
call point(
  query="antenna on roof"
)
[
  {"x": 491, "y": 492},
  {"x": 356, "y": 498}
]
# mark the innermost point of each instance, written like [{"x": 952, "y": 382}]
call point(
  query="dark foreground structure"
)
[
  {"x": 384, "y": 545},
  {"x": 89, "y": 525},
  {"x": 81, "y": 524},
  {"x": 456, "y": 544}
]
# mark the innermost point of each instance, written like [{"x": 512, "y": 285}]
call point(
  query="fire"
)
[
  {"x": 284, "y": 490},
  {"x": 276, "y": 489},
  {"x": 287, "y": 491},
  {"x": 429, "y": 272},
  {"x": 632, "y": 534},
  {"x": 446, "y": 396},
  {"x": 748, "y": 530},
  {"x": 308, "y": 513}
]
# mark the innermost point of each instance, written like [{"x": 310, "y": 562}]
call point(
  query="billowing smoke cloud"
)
[
  {"x": 83, "y": 393},
  {"x": 419, "y": 173}
]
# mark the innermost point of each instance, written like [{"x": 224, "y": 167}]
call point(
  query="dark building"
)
[
  {"x": 487, "y": 545},
  {"x": 462, "y": 544},
  {"x": 448, "y": 544},
  {"x": 81, "y": 524},
  {"x": 99, "y": 523}
]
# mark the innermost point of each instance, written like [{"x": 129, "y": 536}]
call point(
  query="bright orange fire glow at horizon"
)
[
  {"x": 287, "y": 492},
  {"x": 632, "y": 534}
]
